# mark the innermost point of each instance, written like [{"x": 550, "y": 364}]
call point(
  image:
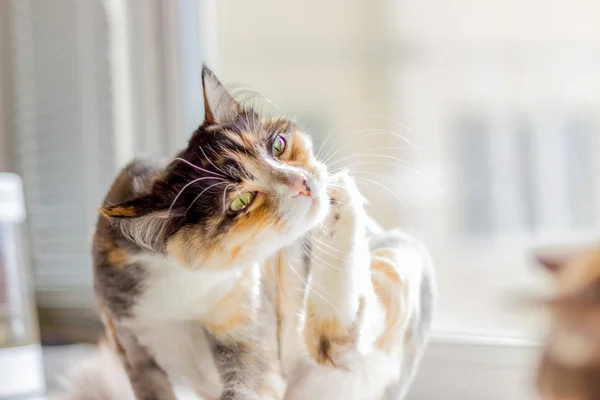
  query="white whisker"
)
[
  {"x": 395, "y": 165},
  {"x": 197, "y": 167},
  {"x": 211, "y": 163},
  {"x": 309, "y": 287},
  {"x": 309, "y": 253},
  {"x": 186, "y": 186},
  {"x": 225, "y": 194},
  {"x": 201, "y": 193}
]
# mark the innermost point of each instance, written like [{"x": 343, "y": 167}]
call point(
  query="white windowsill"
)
[
  {"x": 464, "y": 367},
  {"x": 455, "y": 367}
]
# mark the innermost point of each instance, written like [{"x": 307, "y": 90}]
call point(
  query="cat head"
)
[
  {"x": 244, "y": 187},
  {"x": 574, "y": 337}
]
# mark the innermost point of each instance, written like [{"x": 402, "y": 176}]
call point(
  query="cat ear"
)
[
  {"x": 553, "y": 263},
  {"x": 219, "y": 106},
  {"x": 135, "y": 208},
  {"x": 143, "y": 220}
]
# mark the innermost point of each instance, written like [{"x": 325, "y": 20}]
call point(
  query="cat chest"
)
[{"x": 172, "y": 293}]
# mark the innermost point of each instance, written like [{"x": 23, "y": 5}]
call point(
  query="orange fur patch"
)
[
  {"x": 387, "y": 284},
  {"x": 235, "y": 252},
  {"x": 233, "y": 321},
  {"x": 235, "y": 310},
  {"x": 327, "y": 339},
  {"x": 119, "y": 211},
  {"x": 118, "y": 257},
  {"x": 383, "y": 264},
  {"x": 299, "y": 153},
  {"x": 189, "y": 246},
  {"x": 110, "y": 331},
  {"x": 115, "y": 256}
]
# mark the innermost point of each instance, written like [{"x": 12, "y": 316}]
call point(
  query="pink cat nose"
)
[{"x": 299, "y": 186}]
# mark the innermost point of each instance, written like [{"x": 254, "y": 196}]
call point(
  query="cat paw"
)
[{"x": 346, "y": 213}]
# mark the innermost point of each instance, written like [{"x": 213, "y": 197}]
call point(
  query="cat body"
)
[{"x": 243, "y": 270}]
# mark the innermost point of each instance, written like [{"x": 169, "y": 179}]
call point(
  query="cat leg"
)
[
  {"x": 340, "y": 295},
  {"x": 245, "y": 354},
  {"x": 148, "y": 380},
  {"x": 368, "y": 306}
]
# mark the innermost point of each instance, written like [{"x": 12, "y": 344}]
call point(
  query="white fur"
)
[
  {"x": 99, "y": 377},
  {"x": 340, "y": 256},
  {"x": 176, "y": 293},
  {"x": 146, "y": 231}
]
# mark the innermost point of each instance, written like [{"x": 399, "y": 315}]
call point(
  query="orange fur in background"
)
[{"x": 570, "y": 366}]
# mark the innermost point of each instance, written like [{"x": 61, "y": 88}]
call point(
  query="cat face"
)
[{"x": 243, "y": 188}]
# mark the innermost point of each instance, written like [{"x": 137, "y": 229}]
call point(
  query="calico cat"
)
[
  {"x": 243, "y": 270},
  {"x": 570, "y": 365}
]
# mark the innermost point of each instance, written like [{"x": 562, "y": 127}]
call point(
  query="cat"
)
[
  {"x": 570, "y": 365},
  {"x": 244, "y": 270}
]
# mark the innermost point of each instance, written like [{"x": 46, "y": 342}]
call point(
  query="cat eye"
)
[
  {"x": 278, "y": 146},
  {"x": 242, "y": 201}
]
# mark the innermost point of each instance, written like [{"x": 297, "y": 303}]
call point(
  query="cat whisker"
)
[
  {"x": 371, "y": 151},
  {"x": 366, "y": 180},
  {"x": 351, "y": 118},
  {"x": 367, "y": 156},
  {"x": 314, "y": 239},
  {"x": 312, "y": 289},
  {"x": 316, "y": 245},
  {"x": 272, "y": 223},
  {"x": 186, "y": 186},
  {"x": 395, "y": 165},
  {"x": 197, "y": 167},
  {"x": 277, "y": 278},
  {"x": 225, "y": 194},
  {"x": 211, "y": 163},
  {"x": 309, "y": 253},
  {"x": 365, "y": 134},
  {"x": 201, "y": 193}
]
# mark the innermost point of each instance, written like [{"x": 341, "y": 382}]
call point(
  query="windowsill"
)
[
  {"x": 456, "y": 366},
  {"x": 463, "y": 366},
  {"x": 465, "y": 338}
]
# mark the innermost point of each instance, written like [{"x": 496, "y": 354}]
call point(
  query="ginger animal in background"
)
[{"x": 570, "y": 365}]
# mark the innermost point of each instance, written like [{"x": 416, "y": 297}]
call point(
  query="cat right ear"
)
[{"x": 219, "y": 106}]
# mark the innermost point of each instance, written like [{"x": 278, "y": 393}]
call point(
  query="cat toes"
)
[
  {"x": 343, "y": 192},
  {"x": 347, "y": 203}
]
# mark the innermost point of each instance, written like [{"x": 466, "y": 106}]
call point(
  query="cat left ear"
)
[
  {"x": 143, "y": 220},
  {"x": 219, "y": 106},
  {"x": 135, "y": 208}
]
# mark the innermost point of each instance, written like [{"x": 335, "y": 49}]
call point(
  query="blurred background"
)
[{"x": 473, "y": 124}]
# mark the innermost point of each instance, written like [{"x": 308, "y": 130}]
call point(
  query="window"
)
[
  {"x": 126, "y": 82},
  {"x": 502, "y": 120}
]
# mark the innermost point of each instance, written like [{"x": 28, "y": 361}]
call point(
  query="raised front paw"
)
[{"x": 346, "y": 213}]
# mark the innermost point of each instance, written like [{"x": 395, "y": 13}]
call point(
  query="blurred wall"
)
[{"x": 6, "y": 160}]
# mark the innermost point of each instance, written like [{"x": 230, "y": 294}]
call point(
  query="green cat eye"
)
[
  {"x": 278, "y": 146},
  {"x": 242, "y": 201}
]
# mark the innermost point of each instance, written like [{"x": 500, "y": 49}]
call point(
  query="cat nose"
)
[{"x": 299, "y": 186}]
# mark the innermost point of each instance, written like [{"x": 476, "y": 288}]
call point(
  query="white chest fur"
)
[{"x": 172, "y": 293}]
